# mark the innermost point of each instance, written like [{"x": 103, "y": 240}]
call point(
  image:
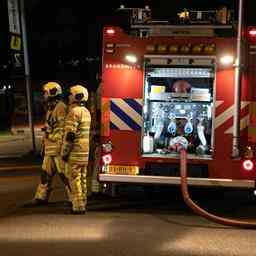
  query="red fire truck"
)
[{"x": 183, "y": 84}]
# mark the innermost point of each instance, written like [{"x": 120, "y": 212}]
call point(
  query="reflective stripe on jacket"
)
[
  {"x": 54, "y": 126},
  {"x": 78, "y": 121}
]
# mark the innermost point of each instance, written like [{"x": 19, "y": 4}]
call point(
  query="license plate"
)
[{"x": 123, "y": 169}]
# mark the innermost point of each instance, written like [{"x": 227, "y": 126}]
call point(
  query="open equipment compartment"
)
[{"x": 178, "y": 106}]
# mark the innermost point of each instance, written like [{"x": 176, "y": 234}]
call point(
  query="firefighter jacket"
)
[
  {"x": 54, "y": 129},
  {"x": 78, "y": 123}
]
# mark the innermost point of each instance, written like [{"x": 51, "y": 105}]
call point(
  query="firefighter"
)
[
  {"x": 51, "y": 143},
  {"x": 75, "y": 149}
]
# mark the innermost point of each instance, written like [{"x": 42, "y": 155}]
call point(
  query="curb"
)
[{"x": 19, "y": 168}]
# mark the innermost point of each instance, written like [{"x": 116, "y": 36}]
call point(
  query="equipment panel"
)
[{"x": 178, "y": 109}]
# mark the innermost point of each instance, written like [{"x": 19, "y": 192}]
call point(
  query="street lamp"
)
[{"x": 27, "y": 73}]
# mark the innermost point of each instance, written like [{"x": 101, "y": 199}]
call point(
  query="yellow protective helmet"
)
[
  {"x": 52, "y": 89},
  {"x": 78, "y": 93}
]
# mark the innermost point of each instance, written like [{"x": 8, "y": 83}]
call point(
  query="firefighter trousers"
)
[
  {"x": 51, "y": 165},
  {"x": 76, "y": 174}
]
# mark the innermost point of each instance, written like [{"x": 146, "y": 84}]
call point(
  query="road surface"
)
[{"x": 131, "y": 224}]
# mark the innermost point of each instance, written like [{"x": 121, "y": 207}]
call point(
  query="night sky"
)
[
  {"x": 62, "y": 31},
  {"x": 65, "y": 24}
]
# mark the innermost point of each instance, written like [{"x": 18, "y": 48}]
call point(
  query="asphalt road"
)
[{"x": 131, "y": 224}]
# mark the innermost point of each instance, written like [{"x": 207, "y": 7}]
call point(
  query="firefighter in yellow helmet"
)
[
  {"x": 52, "y": 141},
  {"x": 75, "y": 149}
]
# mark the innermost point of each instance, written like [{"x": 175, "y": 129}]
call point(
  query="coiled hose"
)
[{"x": 197, "y": 209}]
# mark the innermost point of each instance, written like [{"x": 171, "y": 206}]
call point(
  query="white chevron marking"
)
[
  {"x": 228, "y": 113},
  {"x": 218, "y": 103},
  {"x": 244, "y": 122},
  {"x": 223, "y": 117}
]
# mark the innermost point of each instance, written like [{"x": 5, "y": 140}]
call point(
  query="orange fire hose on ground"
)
[{"x": 198, "y": 210}]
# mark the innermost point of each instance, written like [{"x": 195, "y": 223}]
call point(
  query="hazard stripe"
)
[
  {"x": 118, "y": 123},
  {"x": 134, "y": 105},
  {"x": 113, "y": 126},
  {"x": 129, "y": 110},
  {"x": 128, "y": 117}
]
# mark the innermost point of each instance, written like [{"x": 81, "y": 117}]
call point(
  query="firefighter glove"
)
[{"x": 66, "y": 151}]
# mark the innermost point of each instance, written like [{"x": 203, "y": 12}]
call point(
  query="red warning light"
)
[
  {"x": 252, "y": 32},
  {"x": 110, "y": 31},
  {"x": 107, "y": 159},
  {"x": 248, "y": 165}
]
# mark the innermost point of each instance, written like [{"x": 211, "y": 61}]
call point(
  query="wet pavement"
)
[{"x": 133, "y": 223}]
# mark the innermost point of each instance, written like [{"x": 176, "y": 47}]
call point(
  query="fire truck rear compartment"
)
[{"x": 178, "y": 106}]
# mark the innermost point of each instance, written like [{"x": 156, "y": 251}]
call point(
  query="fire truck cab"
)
[{"x": 170, "y": 85}]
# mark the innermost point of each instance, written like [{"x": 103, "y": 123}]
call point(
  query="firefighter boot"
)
[
  {"x": 78, "y": 207},
  {"x": 43, "y": 190},
  {"x": 78, "y": 201}
]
